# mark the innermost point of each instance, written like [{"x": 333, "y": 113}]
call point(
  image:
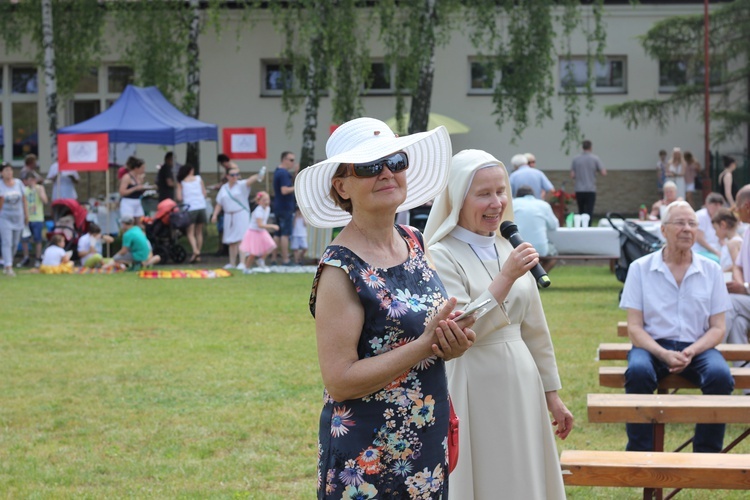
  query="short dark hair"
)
[
  {"x": 662, "y": 152},
  {"x": 340, "y": 202},
  {"x": 285, "y": 154},
  {"x": 222, "y": 158},
  {"x": 94, "y": 228},
  {"x": 523, "y": 191},
  {"x": 169, "y": 155},
  {"x": 30, "y": 158},
  {"x": 586, "y": 144}
]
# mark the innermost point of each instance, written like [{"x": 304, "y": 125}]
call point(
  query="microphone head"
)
[
  {"x": 543, "y": 281},
  {"x": 507, "y": 228}
]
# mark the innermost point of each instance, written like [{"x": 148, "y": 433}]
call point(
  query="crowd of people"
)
[{"x": 245, "y": 215}]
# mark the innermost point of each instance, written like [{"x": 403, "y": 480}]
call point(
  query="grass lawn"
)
[{"x": 114, "y": 386}]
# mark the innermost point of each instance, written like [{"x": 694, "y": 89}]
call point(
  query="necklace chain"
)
[{"x": 497, "y": 256}]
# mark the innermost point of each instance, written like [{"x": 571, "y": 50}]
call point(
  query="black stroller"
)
[
  {"x": 635, "y": 242},
  {"x": 166, "y": 228}
]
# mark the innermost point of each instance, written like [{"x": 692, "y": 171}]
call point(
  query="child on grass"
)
[
  {"x": 90, "y": 247},
  {"x": 298, "y": 241},
  {"x": 257, "y": 242},
  {"x": 36, "y": 198},
  {"x": 55, "y": 259}
]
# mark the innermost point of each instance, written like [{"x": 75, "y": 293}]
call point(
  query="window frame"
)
[
  {"x": 391, "y": 90},
  {"x": 265, "y": 63},
  {"x": 471, "y": 90},
  {"x": 596, "y": 89},
  {"x": 694, "y": 67}
]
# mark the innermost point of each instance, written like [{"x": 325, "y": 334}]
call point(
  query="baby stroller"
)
[
  {"x": 165, "y": 229},
  {"x": 635, "y": 242},
  {"x": 70, "y": 222}
]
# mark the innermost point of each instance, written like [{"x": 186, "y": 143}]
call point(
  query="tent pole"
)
[{"x": 106, "y": 204}]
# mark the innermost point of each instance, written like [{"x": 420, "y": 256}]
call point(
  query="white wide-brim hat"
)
[{"x": 364, "y": 140}]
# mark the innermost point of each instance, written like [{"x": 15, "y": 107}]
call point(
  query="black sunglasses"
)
[
  {"x": 234, "y": 175},
  {"x": 397, "y": 162}
]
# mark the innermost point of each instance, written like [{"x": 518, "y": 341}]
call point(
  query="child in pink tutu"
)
[{"x": 257, "y": 241}]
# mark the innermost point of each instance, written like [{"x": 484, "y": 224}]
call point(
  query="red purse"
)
[
  {"x": 452, "y": 437},
  {"x": 452, "y": 418}
]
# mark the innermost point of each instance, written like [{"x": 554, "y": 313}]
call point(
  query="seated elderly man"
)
[
  {"x": 523, "y": 174},
  {"x": 659, "y": 206},
  {"x": 534, "y": 219},
  {"x": 676, "y": 302}
]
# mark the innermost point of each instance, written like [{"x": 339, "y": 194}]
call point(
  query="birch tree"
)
[
  {"x": 677, "y": 43},
  {"x": 50, "y": 76}
]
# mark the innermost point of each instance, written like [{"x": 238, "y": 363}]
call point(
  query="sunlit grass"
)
[{"x": 114, "y": 386}]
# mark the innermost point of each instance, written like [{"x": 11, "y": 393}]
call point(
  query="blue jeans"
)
[{"x": 708, "y": 370}]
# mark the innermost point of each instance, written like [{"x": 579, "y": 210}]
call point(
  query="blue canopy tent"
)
[{"x": 144, "y": 116}]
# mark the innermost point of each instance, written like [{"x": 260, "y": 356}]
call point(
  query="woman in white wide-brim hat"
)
[
  {"x": 505, "y": 387},
  {"x": 383, "y": 321}
]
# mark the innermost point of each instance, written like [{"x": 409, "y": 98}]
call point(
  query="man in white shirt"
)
[
  {"x": 706, "y": 241},
  {"x": 676, "y": 302},
  {"x": 64, "y": 184},
  {"x": 535, "y": 219}
]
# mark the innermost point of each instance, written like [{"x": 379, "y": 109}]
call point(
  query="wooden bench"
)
[
  {"x": 660, "y": 409},
  {"x": 614, "y": 376},
  {"x": 656, "y": 470},
  {"x": 619, "y": 351}
]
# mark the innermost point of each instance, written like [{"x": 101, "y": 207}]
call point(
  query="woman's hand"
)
[
  {"x": 521, "y": 260},
  {"x": 561, "y": 416},
  {"x": 454, "y": 339}
]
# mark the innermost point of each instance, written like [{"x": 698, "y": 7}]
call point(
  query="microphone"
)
[{"x": 509, "y": 231}]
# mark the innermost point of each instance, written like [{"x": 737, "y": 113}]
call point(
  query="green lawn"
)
[{"x": 113, "y": 386}]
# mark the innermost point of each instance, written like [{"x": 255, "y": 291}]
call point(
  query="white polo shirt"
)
[{"x": 671, "y": 312}]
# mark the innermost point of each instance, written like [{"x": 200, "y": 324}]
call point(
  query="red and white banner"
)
[
  {"x": 245, "y": 143},
  {"x": 83, "y": 152}
]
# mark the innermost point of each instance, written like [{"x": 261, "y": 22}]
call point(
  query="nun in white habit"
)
[{"x": 504, "y": 388}]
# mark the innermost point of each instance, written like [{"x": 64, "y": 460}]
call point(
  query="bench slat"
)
[
  {"x": 656, "y": 470},
  {"x": 619, "y": 351},
  {"x": 622, "y": 328},
  {"x": 666, "y": 408},
  {"x": 614, "y": 376}
]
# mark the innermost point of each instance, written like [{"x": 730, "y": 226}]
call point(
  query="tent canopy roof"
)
[{"x": 144, "y": 116}]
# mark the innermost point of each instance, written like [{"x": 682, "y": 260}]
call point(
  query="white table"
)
[{"x": 602, "y": 241}]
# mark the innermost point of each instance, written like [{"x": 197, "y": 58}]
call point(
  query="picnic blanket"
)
[
  {"x": 97, "y": 270},
  {"x": 184, "y": 273}
]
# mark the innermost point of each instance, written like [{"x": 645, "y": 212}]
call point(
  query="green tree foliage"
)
[
  {"x": 324, "y": 51},
  {"x": 680, "y": 40},
  {"x": 78, "y": 33}
]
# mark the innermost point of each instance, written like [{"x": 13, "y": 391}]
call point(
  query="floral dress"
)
[{"x": 391, "y": 443}]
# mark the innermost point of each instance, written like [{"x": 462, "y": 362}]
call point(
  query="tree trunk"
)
[
  {"x": 422, "y": 97},
  {"x": 312, "y": 101},
  {"x": 192, "y": 97},
  {"x": 50, "y": 77}
]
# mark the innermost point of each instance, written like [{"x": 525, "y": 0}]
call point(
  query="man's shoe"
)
[{"x": 24, "y": 262}]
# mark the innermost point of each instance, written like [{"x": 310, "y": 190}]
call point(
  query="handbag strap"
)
[
  {"x": 411, "y": 234},
  {"x": 229, "y": 193}
]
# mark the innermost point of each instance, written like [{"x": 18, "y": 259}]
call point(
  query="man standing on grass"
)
[
  {"x": 583, "y": 171},
  {"x": 284, "y": 202},
  {"x": 676, "y": 302}
]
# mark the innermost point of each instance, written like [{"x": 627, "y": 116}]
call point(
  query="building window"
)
[
  {"x": 25, "y": 129},
  {"x": 677, "y": 72},
  {"x": 483, "y": 78},
  {"x": 24, "y": 80},
  {"x": 89, "y": 100},
  {"x": 609, "y": 76},
  {"x": 118, "y": 77},
  {"x": 381, "y": 79},
  {"x": 276, "y": 77},
  {"x": 88, "y": 83}
]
